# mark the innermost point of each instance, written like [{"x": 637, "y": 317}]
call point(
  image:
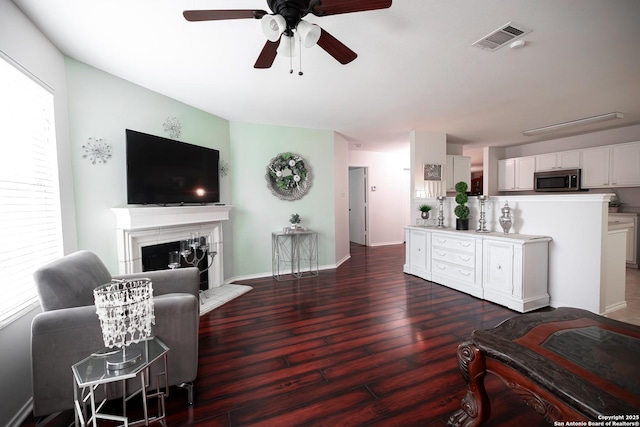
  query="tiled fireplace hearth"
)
[{"x": 142, "y": 226}]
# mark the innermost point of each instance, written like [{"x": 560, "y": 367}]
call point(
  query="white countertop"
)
[{"x": 473, "y": 233}]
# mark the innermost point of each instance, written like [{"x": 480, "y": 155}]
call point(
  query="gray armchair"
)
[{"x": 68, "y": 329}]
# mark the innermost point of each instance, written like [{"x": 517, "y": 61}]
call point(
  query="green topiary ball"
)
[
  {"x": 461, "y": 187},
  {"x": 462, "y": 198},
  {"x": 461, "y": 211}
]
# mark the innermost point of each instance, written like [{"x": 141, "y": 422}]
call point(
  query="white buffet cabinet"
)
[{"x": 508, "y": 269}]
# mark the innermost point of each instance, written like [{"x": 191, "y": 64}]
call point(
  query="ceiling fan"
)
[{"x": 286, "y": 21}]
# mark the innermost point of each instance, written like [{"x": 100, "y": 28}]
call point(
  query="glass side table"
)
[
  {"x": 91, "y": 372},
  {"x": 297, "y": 249}
]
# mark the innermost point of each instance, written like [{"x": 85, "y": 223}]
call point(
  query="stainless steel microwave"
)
[{"x": 557, "y": 180}]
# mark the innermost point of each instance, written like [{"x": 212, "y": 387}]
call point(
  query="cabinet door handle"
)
[
  {"x": 464, "y": 273},
  {"x": 441, "y": 241},
  {"x": 499, "y": 267},
  {"x": 464, "y": 259},
  {"x": 441, "y": 253},
  {"x": 464, "y": 244},
  {"x": 441, "y": 267}
]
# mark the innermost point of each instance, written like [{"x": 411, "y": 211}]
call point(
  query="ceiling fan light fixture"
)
[
  {"x": 287, "y": 46},
  {"x": 273, "y": 26},
  {"x": 309, "y": 33}
]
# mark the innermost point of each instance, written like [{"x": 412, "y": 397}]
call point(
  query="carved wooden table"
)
[{"x": 567, "y": 364}]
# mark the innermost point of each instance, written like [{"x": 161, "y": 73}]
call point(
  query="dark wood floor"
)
[{"x": 361, "y": 345}]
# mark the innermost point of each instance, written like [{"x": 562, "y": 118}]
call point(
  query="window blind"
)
[{"x": 30, "y": 226}]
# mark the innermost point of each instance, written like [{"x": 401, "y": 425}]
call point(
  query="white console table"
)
[
  {"x": 297, "y": 250},
  {"x": 508, "y": 269}
]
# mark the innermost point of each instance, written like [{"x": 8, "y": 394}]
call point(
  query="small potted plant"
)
[
  {"x": 424, "y": 211},
  {"x": 614, "y": 206},
  {"x": 462, "y": 210},
  {"x": 294, "y": 220}
]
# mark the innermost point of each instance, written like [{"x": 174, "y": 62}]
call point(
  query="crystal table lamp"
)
[{"x": 125, "y": 310}]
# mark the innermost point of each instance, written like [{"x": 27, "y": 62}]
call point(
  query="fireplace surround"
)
[{"x": 142, "y": 226}]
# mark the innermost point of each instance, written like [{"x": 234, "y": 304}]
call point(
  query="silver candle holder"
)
[
  {"x": 440, "y": 211},
  {"x": 482, "y": 222}
]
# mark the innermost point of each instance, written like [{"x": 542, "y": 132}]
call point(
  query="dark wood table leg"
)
[{"x": 475, "y": 407}]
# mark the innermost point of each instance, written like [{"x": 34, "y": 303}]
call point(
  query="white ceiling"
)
[{"x": 416, "y": 68}]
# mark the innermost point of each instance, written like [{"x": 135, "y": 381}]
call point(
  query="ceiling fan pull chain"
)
[
  {"x": 300, "y": 69},
  {"x": 291, "y": 55}
]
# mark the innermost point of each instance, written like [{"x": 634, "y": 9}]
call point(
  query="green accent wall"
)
[
  {"x": 257, "y": 212},
  {"x": 103, "y": 106}
]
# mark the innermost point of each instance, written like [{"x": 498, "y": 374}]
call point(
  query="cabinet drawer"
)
[
  {"x": 463, "y": 259},
  {"x": 456, "y": 243},
  {"x": 462, "y": 274}
]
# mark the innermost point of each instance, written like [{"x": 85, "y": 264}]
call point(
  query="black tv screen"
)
[{"x": 162, "y": 171}]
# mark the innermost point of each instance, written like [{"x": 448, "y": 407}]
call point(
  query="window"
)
[{"x": 30, "y": 226}]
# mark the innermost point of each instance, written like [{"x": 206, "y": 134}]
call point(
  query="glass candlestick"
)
[
  {"x": 482, "y": 222},
  {"x": 440, "y": 211}
]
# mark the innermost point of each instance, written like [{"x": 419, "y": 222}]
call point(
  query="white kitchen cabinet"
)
[
  {"x": 633, "y": 235},
  {"x": 507, "y": 175},
  {"x": 458, "y": 169},
  {"x": 525, "y": 167},
  {"x": 516, "y": 174},
  {"x": 595, "y": 167},
  {"x": 510, "y": 270},
  {"x": 625, "y": 165},
  {"x": 515, "y": 273},
  {"x": 418, "y": 260},
  {"x": 562, "y": 160}
]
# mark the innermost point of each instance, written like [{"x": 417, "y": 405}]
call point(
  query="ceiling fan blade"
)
[
  {"x": 335, "y": 7},
  {"x": 336, "y": 48},
  {"x": 268, "y": 54},
  {"x": 218, "y": 15}
]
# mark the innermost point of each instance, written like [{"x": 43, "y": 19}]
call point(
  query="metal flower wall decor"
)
[
  {"x": 97, "y": 151},
  {"x": 223, "y": 167},
  {"x": 288, "y": 176},
  {"x": 173, "y": 127}
]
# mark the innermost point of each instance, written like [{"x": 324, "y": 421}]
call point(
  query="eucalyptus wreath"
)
[{"x": 288, "y": 176}]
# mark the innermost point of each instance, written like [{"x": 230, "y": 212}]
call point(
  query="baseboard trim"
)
[
  {"x": 235, "y": 279},
  {"x": 22, "y": 414},
  {"x": 386, "y": 243},
  {"x": 343, "y": 260}
]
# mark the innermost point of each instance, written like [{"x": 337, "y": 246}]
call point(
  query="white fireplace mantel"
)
[
  {"x": 139, "y": 217},
  {"x": 141, "y": 226}
]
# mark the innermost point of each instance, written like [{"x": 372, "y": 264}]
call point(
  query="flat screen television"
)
[{"x": 162, "y": 171}]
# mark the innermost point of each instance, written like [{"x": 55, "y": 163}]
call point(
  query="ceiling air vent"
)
[{"x": 504, "y": 35}]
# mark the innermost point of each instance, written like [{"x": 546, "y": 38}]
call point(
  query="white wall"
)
[
  {"x": 21, "y": 41},
  {"x": 427, "y": 148},
  {"x": 341, "y": 197},
  {"x": 386, "y": 174}
]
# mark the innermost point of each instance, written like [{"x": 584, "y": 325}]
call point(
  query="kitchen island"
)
[{"x": 508, "y": 269}]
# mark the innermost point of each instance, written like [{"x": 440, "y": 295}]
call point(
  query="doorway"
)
[{"x": 358, "y": 205}]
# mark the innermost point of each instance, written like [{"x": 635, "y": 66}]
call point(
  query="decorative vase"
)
[
  {"x": 505, "y": 220},
  {"x": 424, "y": 215},
  {"x": 462, "y": 224}
]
